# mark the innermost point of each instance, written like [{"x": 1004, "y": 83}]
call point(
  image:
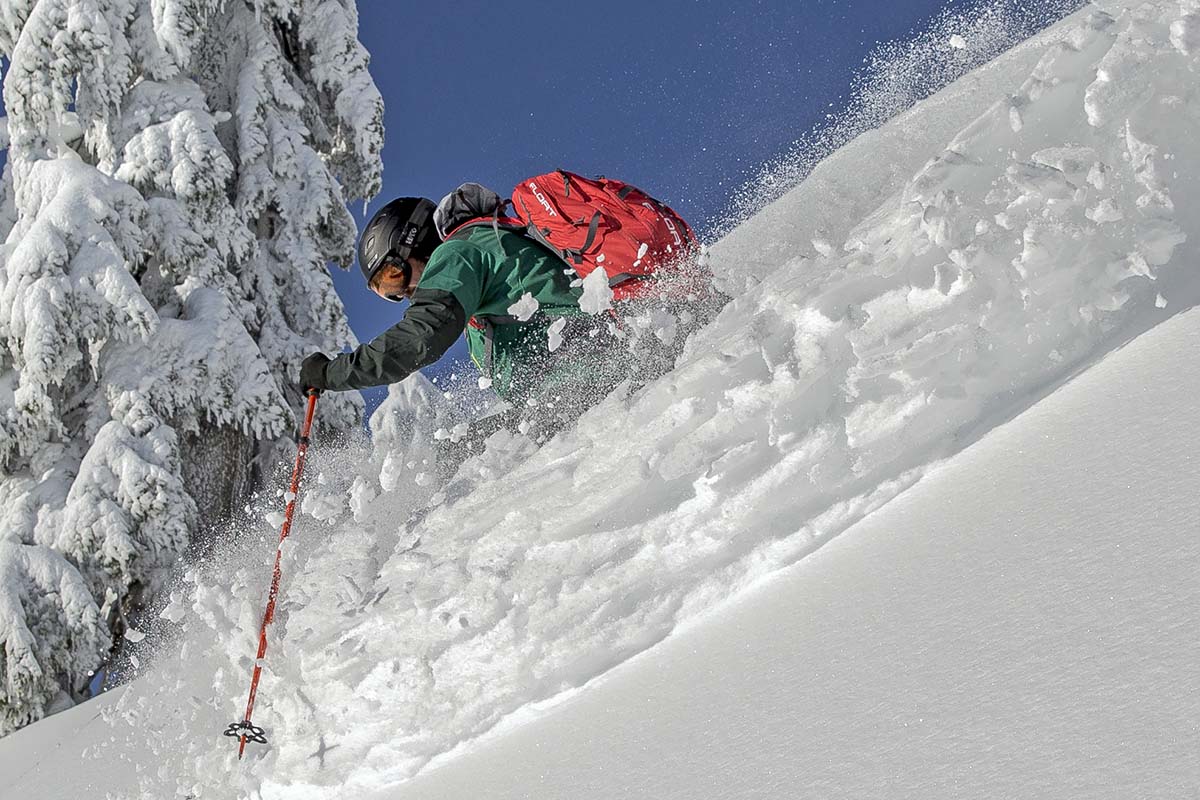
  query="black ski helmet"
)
[{"x": 402, "y": 228}]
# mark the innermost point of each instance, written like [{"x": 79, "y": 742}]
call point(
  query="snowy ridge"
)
[
  {"x": 1055, "y": 226},
  {"x": 894, "y": 78}
]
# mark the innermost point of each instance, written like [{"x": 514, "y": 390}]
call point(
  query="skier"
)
[{"x": 513, "y": 297}]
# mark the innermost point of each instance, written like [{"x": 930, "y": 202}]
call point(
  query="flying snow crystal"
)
[
  {"x": 525, "y": 308},
  {"x": 554, "y": 333},
  {"x": 485, "y": 383},
  {"x": 597, "y": 294},
  {"x": 454, "y": 434}
]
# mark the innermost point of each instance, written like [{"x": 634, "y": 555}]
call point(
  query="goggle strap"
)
[{"x": 412, "y": 232}]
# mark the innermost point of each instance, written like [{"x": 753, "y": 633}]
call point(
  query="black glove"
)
[{"x": 312, "y": 372}]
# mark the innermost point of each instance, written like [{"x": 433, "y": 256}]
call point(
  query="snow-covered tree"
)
[{"x": 175, "y": 186}]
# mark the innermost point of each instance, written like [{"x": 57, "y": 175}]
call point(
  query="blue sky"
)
[{"x": 682, "y": 97}]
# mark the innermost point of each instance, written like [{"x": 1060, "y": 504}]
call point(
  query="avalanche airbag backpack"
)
[{"x": 591, "y": 224}]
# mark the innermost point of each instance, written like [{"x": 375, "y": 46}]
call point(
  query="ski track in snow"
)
[{"x": 1053, "y": 228}]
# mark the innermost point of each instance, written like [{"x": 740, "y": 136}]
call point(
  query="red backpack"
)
[{"x": 600, "y": 224}]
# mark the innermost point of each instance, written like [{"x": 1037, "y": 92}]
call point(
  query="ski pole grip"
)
[{"x": 302, "y": 434}]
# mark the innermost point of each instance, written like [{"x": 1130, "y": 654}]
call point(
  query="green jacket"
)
[{"x": 471, "y": 282}]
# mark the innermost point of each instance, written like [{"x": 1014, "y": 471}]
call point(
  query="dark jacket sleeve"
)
[{"x": 433, "y": 321}]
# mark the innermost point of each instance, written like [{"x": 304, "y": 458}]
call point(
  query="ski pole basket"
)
[{"x": 245, "y": 730}]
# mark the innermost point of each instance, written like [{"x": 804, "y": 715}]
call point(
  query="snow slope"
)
[
  {"x": 1049, "y": 230},
  {"x": 1021, "y": 623},
  {"x": 1036, "y": 641}
]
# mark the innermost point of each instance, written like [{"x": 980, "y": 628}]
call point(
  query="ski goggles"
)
[{"x": 383, "y": 283}]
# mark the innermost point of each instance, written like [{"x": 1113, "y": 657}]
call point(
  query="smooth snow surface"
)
[{"x": 1053, "y": 227}]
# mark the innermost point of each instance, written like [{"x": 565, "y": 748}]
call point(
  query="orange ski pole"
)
[{"x": 244, "y": 730}]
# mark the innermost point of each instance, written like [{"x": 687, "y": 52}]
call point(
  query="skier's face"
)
[{"x": 396, "y": 281}]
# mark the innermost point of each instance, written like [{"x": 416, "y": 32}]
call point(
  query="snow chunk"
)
[
  {"x": 525, "y": 308},
  {"x": 1185, "y": 34},
  {"x": 1139, "y": 267},
  {"x": 1015, "y": 120},
  {"x": 362, "y": 494},
  {"x": 175, "y": 611},
  {"x": 958, "y": 42},
  {"x": 134, "y": 635},
  {"x": 597, "y": 294},
  {"x": 325, "y": 505},
  {"x": 554, "y": 333},
  {"x": 1105, "y": 211}
]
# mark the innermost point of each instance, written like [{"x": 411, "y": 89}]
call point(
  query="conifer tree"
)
[{"x": 175, "y": 186}]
